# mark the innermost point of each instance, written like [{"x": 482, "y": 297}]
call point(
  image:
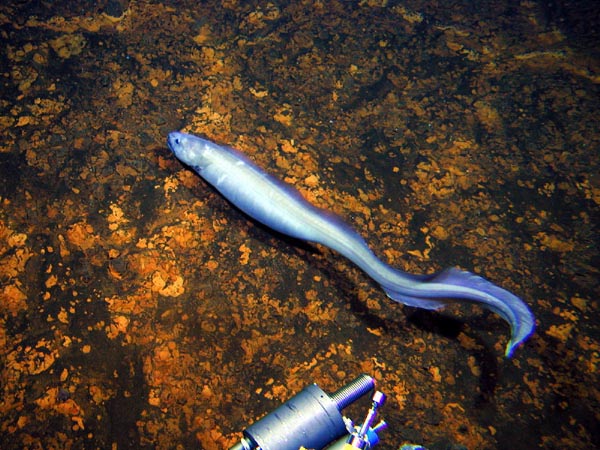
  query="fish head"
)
[{"x": 190, "y": 150}]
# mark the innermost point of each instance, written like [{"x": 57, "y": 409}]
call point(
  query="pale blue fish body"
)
[{"x": 281, "y": 207}]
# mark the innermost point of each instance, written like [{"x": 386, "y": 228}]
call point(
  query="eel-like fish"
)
[{"x": 282, "y": 208}]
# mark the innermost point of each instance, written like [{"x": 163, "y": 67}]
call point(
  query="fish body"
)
[{"x": 281, "y": 207}]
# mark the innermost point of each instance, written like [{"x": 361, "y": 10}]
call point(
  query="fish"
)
[{"x": 281, "y": 207}]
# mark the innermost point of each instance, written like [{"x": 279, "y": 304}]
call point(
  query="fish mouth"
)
[
  {"x": 175, "y": 142},
  {"x": 171, "y": 141}
]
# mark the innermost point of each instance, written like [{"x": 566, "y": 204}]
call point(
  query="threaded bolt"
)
[{"x": 353, "y": 391}]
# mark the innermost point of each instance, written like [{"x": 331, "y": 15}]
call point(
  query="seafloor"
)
[{"x": 138, "y": 309}]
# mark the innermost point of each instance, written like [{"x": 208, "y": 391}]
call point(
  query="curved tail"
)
[{"x": 437, "y": 291}]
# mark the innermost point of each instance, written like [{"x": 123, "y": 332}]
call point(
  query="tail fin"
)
[{"x": 437, "y": 291}]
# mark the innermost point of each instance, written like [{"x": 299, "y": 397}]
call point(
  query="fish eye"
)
[{"x": 177, "y": 141}]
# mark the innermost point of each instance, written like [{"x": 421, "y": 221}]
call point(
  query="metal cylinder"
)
[{"x": 311, "y": 418}]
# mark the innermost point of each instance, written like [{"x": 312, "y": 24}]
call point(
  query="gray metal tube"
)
[{"x": 310, "y": 419}]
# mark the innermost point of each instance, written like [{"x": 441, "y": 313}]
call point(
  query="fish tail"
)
[{"x": 436, "y": 291}]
